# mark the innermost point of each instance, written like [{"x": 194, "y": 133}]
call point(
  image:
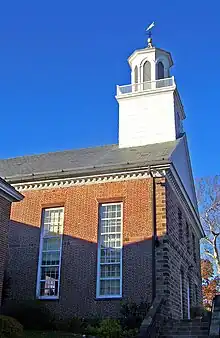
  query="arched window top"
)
[
  {"x": 136, "y": 74},
  {"x": 160, "y": 70},
  {"x": 147, "y": 71}
]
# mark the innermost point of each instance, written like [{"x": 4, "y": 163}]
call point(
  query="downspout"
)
[{"x": 154, "y": 234}]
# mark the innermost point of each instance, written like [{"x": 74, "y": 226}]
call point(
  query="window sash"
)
[
  {"x": 109, "y": 263},
  {"x": 48, "y": 278}
]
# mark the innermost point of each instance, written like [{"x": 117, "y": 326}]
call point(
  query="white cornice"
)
[
  {"x": 88, "y": 180},
  {"x": 167, "y": 171},
  {"x": 147, "y": 50}
]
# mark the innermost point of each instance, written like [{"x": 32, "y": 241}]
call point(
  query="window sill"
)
[
  {"x": 108, "y": 297},
  {"x": 47, "y": 297}
]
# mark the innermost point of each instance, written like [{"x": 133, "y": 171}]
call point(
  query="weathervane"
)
[{"x": 149, "y": 40}]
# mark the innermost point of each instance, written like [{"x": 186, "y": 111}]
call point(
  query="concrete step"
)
[
  {"x": 185, "y": 332},
  {"x": 187, "y": 324},
  {"x": 185, "y": 328},
  {"x": 184, "y": 336}
]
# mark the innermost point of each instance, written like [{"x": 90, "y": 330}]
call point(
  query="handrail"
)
[
  {"x": 145, "y": 86},
  {"x": 151, "y": 324},
  {"x": 214, "y": 330}
]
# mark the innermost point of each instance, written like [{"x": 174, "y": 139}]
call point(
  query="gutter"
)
[
  {"x": 81, "y": 172},
  {"x": 154, "y": 234},
  {"x": 9, "y": 192}
]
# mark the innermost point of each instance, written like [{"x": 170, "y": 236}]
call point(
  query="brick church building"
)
[{"x": 110, "y": 223}]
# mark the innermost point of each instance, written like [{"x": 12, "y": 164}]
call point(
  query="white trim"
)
[
  {"x": 98, "y": 296},
  {"x": 178, "y": 188},
  {"x": 188, "y": 299},
  {"x": 40, "y": 258},
  {"x": 149, "y": 50},
  {"x": 149, "y": 92},
  {"x": 131, "y": 174},
  {"x": 181, "y": 294},
  {"x": 9, "y": 192}
]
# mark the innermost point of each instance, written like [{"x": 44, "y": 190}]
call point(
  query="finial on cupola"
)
[{"x": 149, "y": 40}]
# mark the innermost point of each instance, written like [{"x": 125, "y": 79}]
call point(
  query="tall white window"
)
[
  {"x": 109, "y": 271},
  {"x": 48, "y": 280}
]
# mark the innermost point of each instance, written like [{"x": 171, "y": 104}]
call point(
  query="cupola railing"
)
[{"x": 145, "y": 86}]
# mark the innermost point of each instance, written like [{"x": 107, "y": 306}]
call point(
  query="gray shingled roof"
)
[{"x": 84, "y": 161}]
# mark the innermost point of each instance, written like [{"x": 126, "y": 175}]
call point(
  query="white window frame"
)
[
  {"x": 38, "y": 296},
  {"x": 98, "y": 296}
]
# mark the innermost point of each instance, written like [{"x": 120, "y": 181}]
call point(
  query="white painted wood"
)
[
  {"x": 181, "y": 295},
  {"x": 188, "y": 299},
  {"x": 40, "y": 257},
  {"x": 181, "y": 161},
  {"x": 98, "y": 277},
  {"x": 146, "y": 119},
  {"x": 8, "y": 192},
  {"x": 147, "y": 112}
]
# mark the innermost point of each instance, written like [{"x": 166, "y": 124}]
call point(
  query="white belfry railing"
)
[{"x": 145, "y": 86}]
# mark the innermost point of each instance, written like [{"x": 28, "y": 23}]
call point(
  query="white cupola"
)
[{"x": 150, "y": 109}]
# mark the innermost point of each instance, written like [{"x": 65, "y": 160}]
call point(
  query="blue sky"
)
[{"x": 60, "y": 62}]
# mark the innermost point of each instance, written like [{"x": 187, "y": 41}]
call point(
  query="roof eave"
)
[
  {"x": 146, "y": 49},
  {"x": 9, "y": 192},
  {"x": 66, "y": 173}
]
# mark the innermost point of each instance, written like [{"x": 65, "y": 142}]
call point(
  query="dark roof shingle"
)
[{"x": 82, "y": 160}]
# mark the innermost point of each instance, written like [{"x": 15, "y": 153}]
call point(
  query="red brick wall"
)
[
  {"x": 79, "y": 257},
  {"x": 79, "y": 254},
  {"x": 5, "y": 206}
]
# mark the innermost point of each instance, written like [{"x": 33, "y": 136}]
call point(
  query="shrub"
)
[
  {"x": 133, "y": 314},
  {"x": 75, "y": 325},
  {"x": 92, "y": 330},
  {"x": 94, "y": 321},
  {"x": 10, "y": 327},
  {"x": 92, "y": 325},
  {"x": 198, "y": 312},
  {"x": 33, "y": 315},
  {"x": 109, "y": 328},
  {"x": 130, "y": 333}
]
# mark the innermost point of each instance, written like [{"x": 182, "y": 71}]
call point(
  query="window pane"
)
[
  {"x": 110, "y": 287},
  {"x": 50, "y": 272},
  {"x": 53, "y": 222},
  {"x": 110, "y": 270},
  {"x": 51, "y": 258},
  {"x": 110, "y": 255},
  {"x": 51, "y": 244},
  {"x": 111, "y": 225},
  {"x": 49, "y": 288}
]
